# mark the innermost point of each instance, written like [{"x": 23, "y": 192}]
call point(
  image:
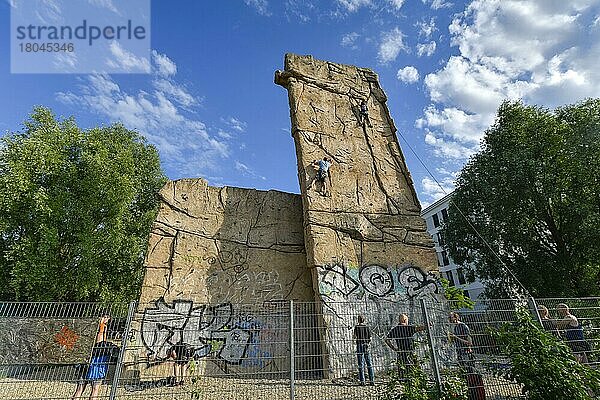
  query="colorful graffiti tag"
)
[{"x": 206, "y": 330}]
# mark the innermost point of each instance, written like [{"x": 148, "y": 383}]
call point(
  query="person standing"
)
[
  {"x": 400, "y": 339},
  {"x": 462, "y": 338},
  {"x": 573, "y": 333},
  {"x": 96, "y": 371},
  {"x": 547, "y": 323},
  {"x": 180, "y": 355},
  {"x": 362, "y": 336}
]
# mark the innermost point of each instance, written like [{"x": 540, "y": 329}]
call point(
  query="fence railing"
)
[{"x": 276, "y": 350}]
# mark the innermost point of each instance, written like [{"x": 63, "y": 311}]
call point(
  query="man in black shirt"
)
[
  {"x": 403, "y": 344},
  {"x": 362, "y": 335}
]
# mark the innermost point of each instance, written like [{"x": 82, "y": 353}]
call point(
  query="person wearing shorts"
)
[{"x": 97, "y": 369}]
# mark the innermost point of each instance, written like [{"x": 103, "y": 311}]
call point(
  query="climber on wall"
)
[
  {"x": 364, "y": 114},
  {"x": 322, "y": 167}
]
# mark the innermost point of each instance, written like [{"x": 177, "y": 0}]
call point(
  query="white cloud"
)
[
  {"x": 125, "y": 60},
  {"x": 349, "y": 40},
  {"x": 426, "y": 49},
  {"x": 462, "y": 127},
  {"x": 537, "y": 50},
  {"x": 247, "y": 171},
  {"x": 65, "y": 61},
  {"x": 397, "y": 4},
  {"x": 437, "y": 4},
  {"x": 353, "y": 5},
  {"x": 48, "y": 12},
  {"x": 177, "y": 91},
  {"x": 235, "y": 124},
  {"x": 164, "y": 65},
  {"x": 408, "y": 74},
  {"x": 108, "y": 4},
  {"x": 426, "y": 28},
  {"x": 261, "y": 6},
  {"x": 448, "y": 149},
  {"x": 299, "y": 10},
  {"x": 160, "y": 114},
  {"x": 391, "y": 44},
  {"x": 436, "y": 190}
]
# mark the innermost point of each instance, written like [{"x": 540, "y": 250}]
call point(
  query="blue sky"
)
[{"x": 210, "y": 106}]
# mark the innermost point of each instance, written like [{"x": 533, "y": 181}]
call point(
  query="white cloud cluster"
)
[
  {"x": 108, "y": 4},
  {"x": 162, "y": 113},
  {"x": 392, "y": 43},
  {"x": 544, "y": 52},
  {"x": 354, "y": 5},
  {"x": 126, "y": 61},
  {"x": 247, "y": 171},
  {"x": 396, "y": 4},
  {"x": 426, "y": 28},
  {"x": 426, "y": 49},
  {"x": 437, "y": 4},
  {"x": 349, "y": 40},
  {"x": 436, "y": 190},
  {"x": 163, "y": 65},
  {"x": 261, "y": 6},
  {"x": 408, "y": 74},
  {"x": 235, "y": 124}
]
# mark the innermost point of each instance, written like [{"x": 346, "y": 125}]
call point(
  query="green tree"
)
[
  {"x": 533, "y": 193},
  {"x": 76, "y": 208}
]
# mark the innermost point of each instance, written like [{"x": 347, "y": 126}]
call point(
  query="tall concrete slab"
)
[{"x": 365, "y": 241}]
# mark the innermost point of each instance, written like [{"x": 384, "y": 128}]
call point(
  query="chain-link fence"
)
[{"x": 276, "y": 350}]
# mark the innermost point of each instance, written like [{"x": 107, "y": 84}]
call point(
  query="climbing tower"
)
[{"x": 365, "y": 242}]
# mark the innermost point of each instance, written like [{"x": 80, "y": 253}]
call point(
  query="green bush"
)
[
  {"x": 415, "y": 385},
  {"x": 544, "y": 365}
]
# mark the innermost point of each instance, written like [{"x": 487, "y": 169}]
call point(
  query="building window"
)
[
  {"x": 445, "y": 215},
  {"x": 440, "y": 239},
  {"x": 436, "y": 221},
  {"x": 445, "y": 260},
  {"x": 461, "y": 276},
  {"x": 450, "y": 277}
]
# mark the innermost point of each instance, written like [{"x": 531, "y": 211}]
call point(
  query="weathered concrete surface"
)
[
  {"x": 365, "y": 242},
  {"x": 227, "y": 248},
  {"x": 372, "y": 194},
  {"x": 214, "y": 245}
]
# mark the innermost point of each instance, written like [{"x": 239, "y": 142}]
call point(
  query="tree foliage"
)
[
  {"x": 533, "y": 193},
  {"x": 76, "y": 208},
  {"x": 456, "y": 297},
  {"x": 543, "y": 364}
]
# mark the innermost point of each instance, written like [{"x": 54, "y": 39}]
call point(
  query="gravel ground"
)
[
  {"x": 207, "y": 388},
  {"x": 225, "y": 389}
]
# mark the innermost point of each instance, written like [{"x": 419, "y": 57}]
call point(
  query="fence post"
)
[
  {"x": 434, "y": 359},
  {"x": 292, "y": 354},
  {"x": 115, "y": 383},
  {"x": 535, "y": 311}
]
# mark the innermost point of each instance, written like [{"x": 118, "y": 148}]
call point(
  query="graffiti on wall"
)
[
  {"x": 376, "y": 280},
  {"x": 417, "y": 283},
  {"x": 235, "y": 259},
  {"x": 339, "y": 282},
  {"x": 67, "y": 338},
  {"x": 379, "y": 293},
  {"x": 248, "y": 287},
  {"x": 212, "y": 331}
]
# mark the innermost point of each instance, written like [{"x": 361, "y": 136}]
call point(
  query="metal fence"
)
[{"x": 277, "y": 350}]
